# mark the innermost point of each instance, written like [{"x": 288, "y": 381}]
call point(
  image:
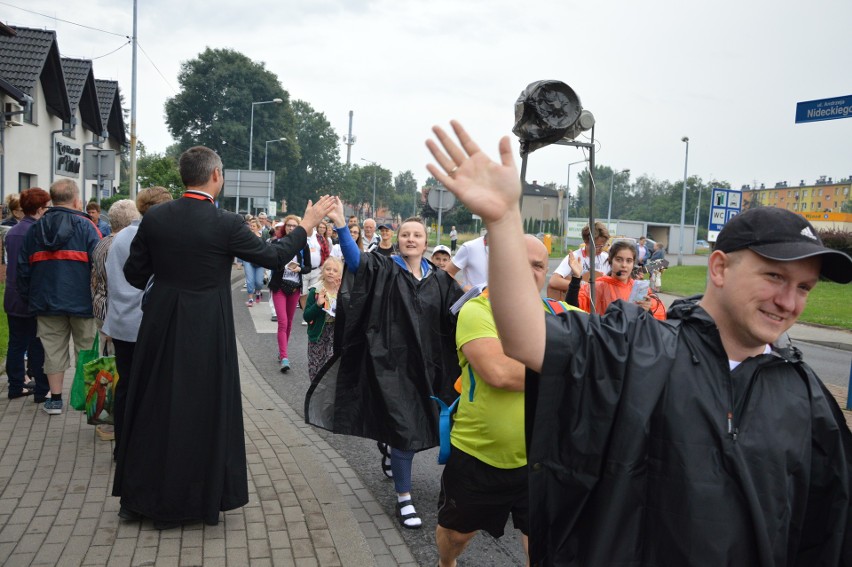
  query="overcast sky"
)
[{"x": 726, "y": 74}]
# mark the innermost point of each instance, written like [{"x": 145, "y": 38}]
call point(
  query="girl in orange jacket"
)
[{"x": 617, "y": 285}]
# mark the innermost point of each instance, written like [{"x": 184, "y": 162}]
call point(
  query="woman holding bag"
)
[{"x": 286, "y": 286}]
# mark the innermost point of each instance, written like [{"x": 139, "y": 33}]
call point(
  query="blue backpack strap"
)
[{"x": 444, "y": 426}]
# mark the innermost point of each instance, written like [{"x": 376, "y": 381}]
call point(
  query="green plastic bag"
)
[
  {"x": 78, "y": 387},
  {"x": 101, "y": 376}
]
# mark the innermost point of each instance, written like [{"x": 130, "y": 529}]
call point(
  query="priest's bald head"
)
[{"x": 201, "y": 169}]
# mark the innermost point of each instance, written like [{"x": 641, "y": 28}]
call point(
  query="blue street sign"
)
[
  {"x": 724, "y": 205},
  {"x": 824, "y": 109}
]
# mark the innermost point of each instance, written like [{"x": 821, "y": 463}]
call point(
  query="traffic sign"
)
[
  {"x": 824, "y": 109},
  {"x": 724, "y": 205},
  {"x": 440, "y": 199}
]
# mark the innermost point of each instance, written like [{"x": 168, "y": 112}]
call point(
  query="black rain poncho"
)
[
  {"x": 646, "y": 450},
  {"x": 394, "y": 348}
]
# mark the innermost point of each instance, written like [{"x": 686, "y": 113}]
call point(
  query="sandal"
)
[
  {"x": 25, "y": 391},
  {"x": 407, "y": 515},
  {"x": 386, "y": 467}
]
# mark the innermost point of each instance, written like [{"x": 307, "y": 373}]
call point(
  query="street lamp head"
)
[
  {"x": 277, "y": 100},
  {"x": 685, "y": 139}
]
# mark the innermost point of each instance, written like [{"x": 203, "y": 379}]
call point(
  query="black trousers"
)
[{"x": 124, "y": 364}]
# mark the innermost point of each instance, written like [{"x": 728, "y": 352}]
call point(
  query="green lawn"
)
[{"x": 828, "y": 304}]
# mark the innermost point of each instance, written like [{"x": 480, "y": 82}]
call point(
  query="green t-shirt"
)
[{"x": 489, "y": 424}]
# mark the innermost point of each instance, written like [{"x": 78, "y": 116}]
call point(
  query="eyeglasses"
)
[{"x": 290, "y": 225}]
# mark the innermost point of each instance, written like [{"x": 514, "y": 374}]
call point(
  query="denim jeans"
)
[
  {"x": 254, "y": 277},
  {"x": 23, "y": 341}
]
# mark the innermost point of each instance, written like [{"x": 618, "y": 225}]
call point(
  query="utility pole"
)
[
  {"x": 132, "y": 180},
  {"x": 349, "y": 140}
]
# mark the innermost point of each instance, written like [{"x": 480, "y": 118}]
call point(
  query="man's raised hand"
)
[
  {"x": 315, "y": 212},
  {"x": 489, "y": 189}
]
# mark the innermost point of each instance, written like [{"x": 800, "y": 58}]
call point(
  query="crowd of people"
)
[{"x": 689, "y": 437}]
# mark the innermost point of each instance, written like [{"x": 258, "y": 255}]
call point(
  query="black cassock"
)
[
  {"x": 182, "y": 452},
  {"x": 394, "y": 347}
]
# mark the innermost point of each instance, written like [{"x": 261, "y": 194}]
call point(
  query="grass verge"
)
[{"x": 828, "y": 304}]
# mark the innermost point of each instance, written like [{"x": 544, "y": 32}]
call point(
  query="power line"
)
[
  {"x": 155, "y": 67},
  {"x": 64, "y": 21},
  {"x": 126, "y": 43}
]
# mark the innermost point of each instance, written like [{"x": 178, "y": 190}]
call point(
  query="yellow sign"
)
[{"x": 835, "y": 217}]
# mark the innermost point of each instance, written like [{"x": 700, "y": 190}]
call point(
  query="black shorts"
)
[{"x": 476, "y": 496}]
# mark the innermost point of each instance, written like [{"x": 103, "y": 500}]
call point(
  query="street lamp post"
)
[
  {"x": 374, "y": 164},
  {"x": 568, "y": 189},
  {"x": 611, "y": 183},
  {"x": 685, "y": 140},
  {"x": 251, "y": 124},
  {"x": 265, "y": 161},
  {"x": 698, "y": 211},
  {"x": 541, "y": 223},
  {"x": 266, "y": 150}
]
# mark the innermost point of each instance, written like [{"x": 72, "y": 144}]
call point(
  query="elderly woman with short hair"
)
[
  {"x": 121, "y": 214},
  {"x": 124, "y": 302}
]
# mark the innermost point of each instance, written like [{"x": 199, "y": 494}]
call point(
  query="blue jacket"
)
[{"x": 54, "y": 264}]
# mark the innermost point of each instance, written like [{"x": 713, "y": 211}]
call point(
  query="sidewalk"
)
[{"x": 307, "y": 507}]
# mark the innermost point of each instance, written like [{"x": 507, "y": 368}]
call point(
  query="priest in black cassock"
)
[{"x": 182, "y": 454}]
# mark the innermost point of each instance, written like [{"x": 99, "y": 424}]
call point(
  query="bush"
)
[{"x": 837, "y": 239}]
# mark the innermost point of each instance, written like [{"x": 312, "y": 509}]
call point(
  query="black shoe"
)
[
  {"x": 24, "y": 392},
  {"x": 166, "y": 525},
  {"x": 129, "y": 515},
  {"x": 39, "y": 399}
]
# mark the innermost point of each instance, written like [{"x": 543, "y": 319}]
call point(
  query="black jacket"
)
[
  {"x": 394, "y": 347},
  {"x": 277, "y": 277},
  {"x": 646, "y": 450}
]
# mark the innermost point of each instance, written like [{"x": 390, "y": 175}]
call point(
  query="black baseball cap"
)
[
  {"x": 381, "y": 226},
  {"x": 778, "y": 234}
]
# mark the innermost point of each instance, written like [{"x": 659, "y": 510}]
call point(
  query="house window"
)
[
  {"x": 846, "y": 190},
  {"x": 795, "y": 206},
  {"x": 805, "y": 193},
  {"x": 25, "y": 181},
  {"x": 804, "y": 206}
]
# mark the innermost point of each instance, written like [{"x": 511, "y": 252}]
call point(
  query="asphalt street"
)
[{"x": 257, "y": 334}]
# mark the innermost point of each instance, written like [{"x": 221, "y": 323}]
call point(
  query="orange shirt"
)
[{"x": 608, "y": 289}]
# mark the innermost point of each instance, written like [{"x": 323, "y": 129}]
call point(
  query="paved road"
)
[
  {"x": 257, "y": 334},
  {"x": 362, "y": 454}
]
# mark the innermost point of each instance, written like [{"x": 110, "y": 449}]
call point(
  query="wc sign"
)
[{"x": 724, "y": 205}]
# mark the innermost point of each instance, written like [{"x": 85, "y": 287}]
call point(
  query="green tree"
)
[
  {"x": 406, "y": 194},
  {"x": 385, "y": 192},
  {"x": 156, "y": 169},
  {"x": 214, "y": 109},
  {"x": 318, "y": 170},
  {"x": 151, "y": 169}
]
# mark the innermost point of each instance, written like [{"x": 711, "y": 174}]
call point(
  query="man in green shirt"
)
[{"x": 485, "y": 478}]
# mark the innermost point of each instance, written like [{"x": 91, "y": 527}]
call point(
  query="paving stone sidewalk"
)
[{"x": 307, "y": 507}]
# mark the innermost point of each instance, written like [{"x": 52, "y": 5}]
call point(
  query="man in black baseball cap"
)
[
  {"x": 778, "y": 234},
  {"x": 699, "y": 440}
]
